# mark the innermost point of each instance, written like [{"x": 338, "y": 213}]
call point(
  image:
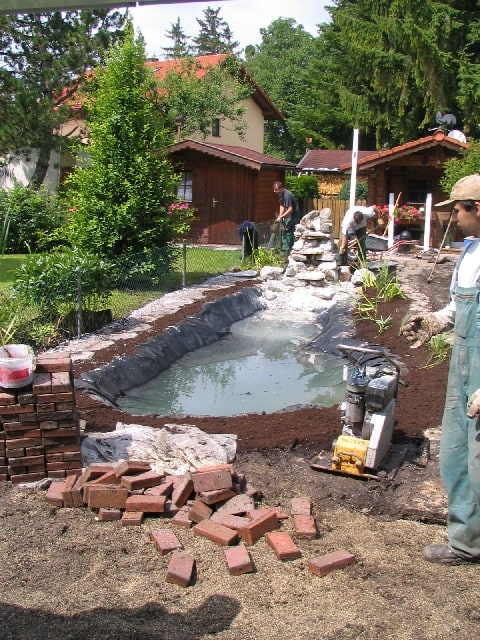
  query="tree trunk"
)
[{"x": 41, "y": 167}]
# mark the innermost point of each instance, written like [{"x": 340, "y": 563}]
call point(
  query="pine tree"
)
[
  {"x": 181, "y": 47},
  {"x": 215, "y": 36}
]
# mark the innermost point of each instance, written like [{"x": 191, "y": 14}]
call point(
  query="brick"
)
[
  {"x": 17, "y": 409},
  {"x": 93, "y": 471},
  {"x": 238, "y": 560},
  {"x": 305, "y": 526},
  {"x": 230, "y": 521},
  {"x": 165, "y": 541},
  {"x": 180, "y": 568},
  {"x": 239, "y": 505},
  {"x": 51, "y": 365},
  {"x": 64, "y": 416},
  {"x": 42, "y": 383},
  {"x": 7, "y": 399},
  {"x": 26, "y": 398},
  {"x": 283, "y": 545},
  {"x": 26, "y": 461},
  {"x": 182, "y": 492},
  {"x": 301, "y": 506},
  {"x": 54, "y": 494},
  {"x": 16, "y": 453},
  {"x": 142, "y": 480},
  {"x": 181, "y": 518},
  {"x": 281, "y": 515},
  {"x": 215, "y": 532},
  {"x": 147, "y": 504},
  {"x": 216, "y": 496},
  {"x": 61, "y": 381},
  {"x": 212, "y": 480},
  {"x": 131, "y": 466},
  {"x": 67, "y": 492},
  {"x": 132, "y": 518},
  {"x": 15, "y": 443},
  {"x": 217, "y": 467},
  {"x": 322, "y": 565},
  {"x": 27, "y": 477},
  {"x": 58, "y": 474},
  {"x": 107, "y": 496},
  {"x": 108, "y": 515},
  {"x": 258, "y": 527},
  {"x": 199, "y": 511},
  {"x": 171, "y": 509},
  {"x": 66, "y": 396},
  {"x": 165, "y": 488}
]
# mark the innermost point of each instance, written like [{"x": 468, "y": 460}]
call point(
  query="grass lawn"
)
[{"x": 8, "y": 265}]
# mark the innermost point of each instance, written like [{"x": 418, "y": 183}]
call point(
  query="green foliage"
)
[
  {"x": 31, "y": 217},
  {"x": 303, "y": 186},
  {"x": 43, "y": 57},
  {"x": 361, "y": 191},
  {"x": 263, "y": 257},
  {"x": 457, "y": 168},
  {"x": 119, "y": 201},
  {"x": 440, "y": 349},
  {"x": 214, "y": 36},
  {"x": 180, "y": 42},
  {"x": 53, "y": 283},
  {"x": 385, "y": 287}
]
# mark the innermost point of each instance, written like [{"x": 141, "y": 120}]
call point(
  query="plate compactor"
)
[{"x": 367, "y": 413}]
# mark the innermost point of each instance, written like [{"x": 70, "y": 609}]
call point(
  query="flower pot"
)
[{"x": 17, "y": 364}]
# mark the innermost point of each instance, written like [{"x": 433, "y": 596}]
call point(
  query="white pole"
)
[
  {"x": 353, "y": 177},
  {"x": 391, "y": 219},
  {"x": 428, "y": 217}
]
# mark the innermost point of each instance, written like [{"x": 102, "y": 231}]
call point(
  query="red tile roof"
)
[{"x": 327, "y": 159}]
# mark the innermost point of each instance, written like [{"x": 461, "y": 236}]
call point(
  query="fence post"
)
[
  {"x": 184, "y": 263},
  {"x": 79, "y": 301}
]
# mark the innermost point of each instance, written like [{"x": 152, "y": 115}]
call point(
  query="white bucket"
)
[{"x": 16, "y": 366}]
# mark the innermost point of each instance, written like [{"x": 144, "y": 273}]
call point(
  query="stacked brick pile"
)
[
  {"x": 39, "y": 429},
  {"x": 214, "y": 502}
]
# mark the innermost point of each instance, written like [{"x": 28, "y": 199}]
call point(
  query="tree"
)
[
  {"x": 120, "y": 202},
  {"x": 44, "y": 56},
  {"x": 199, "y": 94},
  {"x": 281, "y": 65},
  {"x": 215, "y": 36},
  {"x": 181, "y": 47}
]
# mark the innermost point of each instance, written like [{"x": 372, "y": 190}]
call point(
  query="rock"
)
[{"x": 271, "y": 273}]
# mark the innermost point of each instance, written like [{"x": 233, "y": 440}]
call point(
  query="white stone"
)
[
  {"x": 271, "y": 273},
  {"x": 269, "y": 295},
  {"x": 313, "y": 276}
]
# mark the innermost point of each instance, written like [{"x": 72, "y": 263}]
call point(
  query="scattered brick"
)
[
  {"x": 144, "y": 480},
  {"x": 108, "y": 515},
  {"x": 165, "y": 540},
  {"x": 147, "y": 504},
  {"x": 256, "y": 528},
  {"x": 305, "y": 526},
  {"x": 132, "y": 518},
  {"x": 131, "y": 467},
  {"x": 322, "y": 565},
  {"x": 199, "y": 511},
  {"x": 67, "y": 495},
  {"x": 281, "y": 515},
  {"x": 230, "y": 521},
  {"x": 216, "y": 496},
  {"x": 283, "y": 545},
  {"x": 182, "y": 492},
  {"x": 238, "y": 560},
  {"x": 181, "y": 518},
  {"x": 180, "y": 569},
  {"x": 301, "y": 506},
  {"x": 238, "y": 506},
  {"x": 54, "y": 494},
  {"x": 107, "y": 496},
  {"x": 216, "y": 532},
  {"x": 212, "y": 480}
]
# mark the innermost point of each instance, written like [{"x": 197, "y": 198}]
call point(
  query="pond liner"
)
[{"x": 157, "y": 354}]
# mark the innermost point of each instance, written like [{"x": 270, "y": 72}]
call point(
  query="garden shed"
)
[{"x": 227, "y": 185}]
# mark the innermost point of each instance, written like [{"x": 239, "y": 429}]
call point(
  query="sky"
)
[{"x": 244, "y": 17}]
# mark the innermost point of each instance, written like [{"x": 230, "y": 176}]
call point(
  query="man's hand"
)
[
  {"x": 473, "y": 404},
  {"x": 420, "y": 328}
]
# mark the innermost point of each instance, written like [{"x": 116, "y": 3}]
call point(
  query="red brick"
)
[
  {"x": 107, "y": 496},
  {"x": 108, "y": 515},
  {"x": 61, "y": 381},
  {"x": 54, "y": 494},
  {"x": 165, "y": 488},
  {"x": 142, "y": 480},
  {"x": 301, "y": 506},
  {"x": 171, "y": 509},
  {"x": 181, "y": 518},
  {"x": 132, "y": 518},
  {"x": 215, "y": 532},
  {"x": 93, "y": 471},
  {"x": 283, "y": 545},
  {"x": 131, "y": 467},
  {"x": 322, "y": 565},
  {"x": 48, "y": 364},
  {"x": 67, "y": 492},
  {"x": 16, "y": 409},
  {"x": 239, "y": 505},
  {"x": 281, "y": 515},
  {"x": 27, "y": 477},
  {"x": 180, "y": 568},
  {"x": 199, "y": 511},
  {"x": 58, "y": 474},
  {"x": 147, "y": 504},
  {"x": 182, "y": 492},
  {"x": 6, "y": 399},
  {"x": 212, "y": 480},
  {"x": 45, "y": 406},
  {"x": 216, "y": 467},
  {"x": 305, "y": 526},
  {"x": 230, "y": 521},
  {"x": 26, "y": 398},
  {"x": 238, "y": 560},
  {"x": 16, "y": 453},
  {"x": 258, "y": 527},
  {"x": 165, "y": 540},
  {"x": 16, "y": 443},
  {"x": 42, "y": 383},
  {"x": 214, "y": 497},
  {"x": 26, "y": 461}
]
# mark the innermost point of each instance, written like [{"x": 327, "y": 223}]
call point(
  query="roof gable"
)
[{"x": 327, "y": 159}]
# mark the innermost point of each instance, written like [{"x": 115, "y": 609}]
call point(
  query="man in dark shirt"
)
[{"x": 288, "y": 214}]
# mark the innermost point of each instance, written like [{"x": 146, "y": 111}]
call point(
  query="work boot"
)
[{"x": 442, "y": 554}]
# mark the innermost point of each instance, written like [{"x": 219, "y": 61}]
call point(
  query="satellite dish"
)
[{"x": 457, "y": 135}]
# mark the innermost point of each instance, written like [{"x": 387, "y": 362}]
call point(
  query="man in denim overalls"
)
[{"x": 460, "y": 438}]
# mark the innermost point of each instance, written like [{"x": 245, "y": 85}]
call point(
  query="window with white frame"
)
[{"x": 184, "y": 190}]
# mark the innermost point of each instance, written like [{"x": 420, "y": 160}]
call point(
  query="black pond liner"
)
[{"x": 211, "y": 323}]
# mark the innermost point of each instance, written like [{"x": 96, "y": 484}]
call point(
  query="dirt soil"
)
[{"x": 67, "y": 576}]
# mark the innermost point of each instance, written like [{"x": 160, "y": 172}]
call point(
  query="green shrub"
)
[
  {"x": 361, "y": 191},
  {"x": 29, "y": 219}
]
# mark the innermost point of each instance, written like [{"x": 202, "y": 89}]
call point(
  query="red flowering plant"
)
[
  {"x": 182, "y": 214},
  {"x": 404, "y": 212}
]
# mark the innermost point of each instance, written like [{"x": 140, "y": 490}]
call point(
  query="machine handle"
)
[{"x": 345, "y": 349}]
